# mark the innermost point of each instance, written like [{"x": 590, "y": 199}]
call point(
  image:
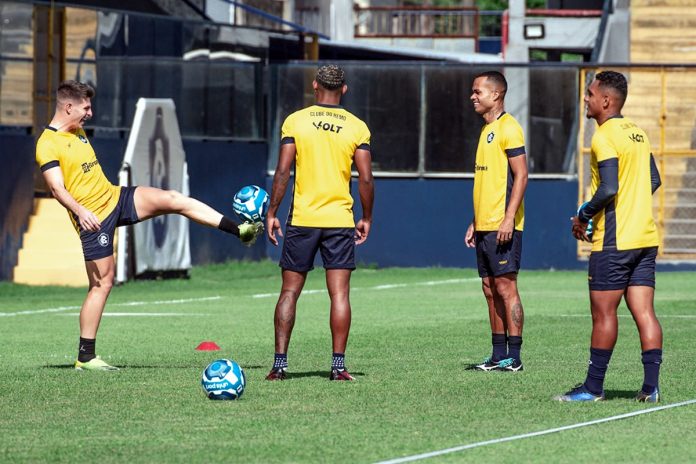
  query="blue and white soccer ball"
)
[
  {"x": 251, "y": 203},
  {"x": 223, "y": 380}
]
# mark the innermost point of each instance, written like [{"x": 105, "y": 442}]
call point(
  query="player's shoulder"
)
[
  {"x": 47, "y": 138},
  {"x": 355, "y": 120},
  {"x": 508, "y": 121}
]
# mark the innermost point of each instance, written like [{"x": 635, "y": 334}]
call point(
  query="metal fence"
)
[
  {"x": 662, "y": 101},
  {"x": 414, "y": 21}
]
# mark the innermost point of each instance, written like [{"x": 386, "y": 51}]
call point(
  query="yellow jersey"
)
[
  {"x": 82, "y": 174},
  {"x": 499, "y": 140},
  {"x": 325, "y": 137},
  {"x": 627, "y": 221}
]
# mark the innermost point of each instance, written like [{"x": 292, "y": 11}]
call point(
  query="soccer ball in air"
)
[
  {"x": 223, "y": 380},
  {"x": 251, "y": 203}
]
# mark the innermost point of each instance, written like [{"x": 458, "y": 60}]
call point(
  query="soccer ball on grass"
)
[{"x": 223, "y": 380}]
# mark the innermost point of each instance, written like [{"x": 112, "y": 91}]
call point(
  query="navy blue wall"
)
[
  {"x": 217, "y": 170},
  {"x": 423, "y": 222},
  {"x": 16, "y": 196}
]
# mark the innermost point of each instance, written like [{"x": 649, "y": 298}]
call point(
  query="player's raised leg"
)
[
  {"x": 101, "y": 276},
  {"x": 640, "y": 302},
  {"x": 151, "y": 202},
  {"x": 284, "y": 320},
  {"x": 338, "y": 285}
]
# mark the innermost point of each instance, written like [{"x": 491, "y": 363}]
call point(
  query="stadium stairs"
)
[
  {"x": 662, "y": 32},
  {"x": 51, "y": 252}
]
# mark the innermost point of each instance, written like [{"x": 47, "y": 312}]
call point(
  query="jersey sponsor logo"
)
[
  {"x": 637, "y": 138},
  {"x": 479, "y": 167},
  {"x": 327, "y": 126},
  {"x": 103, "y": 239},
  {"x": 82, "y": 138},
  {"x": 503, "y": 262},
  {"x": 86, "y": 167},
  {"x": 490, "y": 137}
]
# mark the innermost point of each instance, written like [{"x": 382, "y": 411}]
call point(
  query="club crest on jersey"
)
[
  {"x": 82, "y": 138},
  {"x": 490, "y": 137},
  {"x": 103, "y": 239}
]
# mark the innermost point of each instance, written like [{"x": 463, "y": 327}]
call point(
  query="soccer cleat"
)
[
  {"x": 249, "y": 232},
  {"x": 653, "y": 397},
  {"x": 340, "y": 374},
  {"x": 277, "y": 373},
  {"x": 579, "y": 393},
  {"x": 487, "y": 365},
  {"x": 96, "y": 364},
  {"x": 510, "y": 365}
]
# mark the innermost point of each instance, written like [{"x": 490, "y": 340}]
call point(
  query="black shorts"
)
[
  {"x": 496, "y": 260},
  {"x": 337, "y": 246},
  {"x": 616, "y": 270},
  {"x": 100, "y": 244}
]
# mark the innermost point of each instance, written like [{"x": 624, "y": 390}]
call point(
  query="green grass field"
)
[{"x": 414, "y": 330}]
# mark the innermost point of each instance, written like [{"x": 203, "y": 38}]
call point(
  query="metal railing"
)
[{"x": 412, "y": 21}]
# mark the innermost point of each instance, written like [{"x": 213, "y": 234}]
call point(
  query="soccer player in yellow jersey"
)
[
  {"x": 500, "y": 181},
  {"x": 624, "y": 242},
  {"x": 323, "y": 141},
  {"x": 96, "y": 207}
]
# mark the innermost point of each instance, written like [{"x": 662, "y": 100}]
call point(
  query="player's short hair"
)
[
  {"x": 331, "y": 77},
  {"x": 74, "y": 90},
  {"x": 496, "y": 77},
  {"x": 614, "y": 80}
]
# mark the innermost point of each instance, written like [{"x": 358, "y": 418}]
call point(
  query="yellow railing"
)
[{"x": 662, "y": 101}]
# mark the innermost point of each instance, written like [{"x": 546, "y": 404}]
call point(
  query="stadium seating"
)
[{"x": 52, "y": 254}]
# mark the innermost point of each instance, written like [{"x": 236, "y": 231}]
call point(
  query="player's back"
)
[
  {"x": 325, "y": 137},
  {"x": 628, "y": 222}
]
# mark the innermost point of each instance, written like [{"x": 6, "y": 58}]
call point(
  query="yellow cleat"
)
[
  {"x": 249, "y": 232},
  {"x": 96, "y": 364}
]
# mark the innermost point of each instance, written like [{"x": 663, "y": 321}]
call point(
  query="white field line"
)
[
  {"x": 428, "y": 283},
  {"x": 455, "y": 449},
  {"x": 659, "y": 316},
  {"x": 138, "y": 314},
  {"x": 129, "y": 303}
]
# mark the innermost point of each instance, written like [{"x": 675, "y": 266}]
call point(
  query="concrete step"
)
[{"x": 51, "y": 251}]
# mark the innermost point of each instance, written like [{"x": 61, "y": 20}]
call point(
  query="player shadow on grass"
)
[
  {"x": 322, "y": 374},
  {"x": 619, "y": 394},
  {"x": 137, "y": 366}
]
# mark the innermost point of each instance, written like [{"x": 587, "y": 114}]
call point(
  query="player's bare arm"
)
[
  {"x": 518, "y": 166},
  {"x": 286, "y": 157},
  {"x": 54, "y": 180},
  {"x": 470, "y": 237},
  {"x": 366, "y": 188}
]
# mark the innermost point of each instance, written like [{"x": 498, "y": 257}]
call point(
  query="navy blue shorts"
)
[
  {"x": 100, "y": 244},
  {"x": 616, "y": 270},
  {"x": 496, "y": 260},
  {"x": 337, "y": 246}
]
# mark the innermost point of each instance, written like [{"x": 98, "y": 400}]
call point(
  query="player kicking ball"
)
[{"x": 96, "y": 207}]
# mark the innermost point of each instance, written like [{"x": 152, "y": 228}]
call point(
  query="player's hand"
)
[
  {"x": 505, "y": 231},
  {"x": 88, "y": 220},
  {"x": 470, "y": 237},
  {"x": 362, "y": 230},
  {"x": 579, "y": 229},
  {"x": 273, "y": 225}
]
